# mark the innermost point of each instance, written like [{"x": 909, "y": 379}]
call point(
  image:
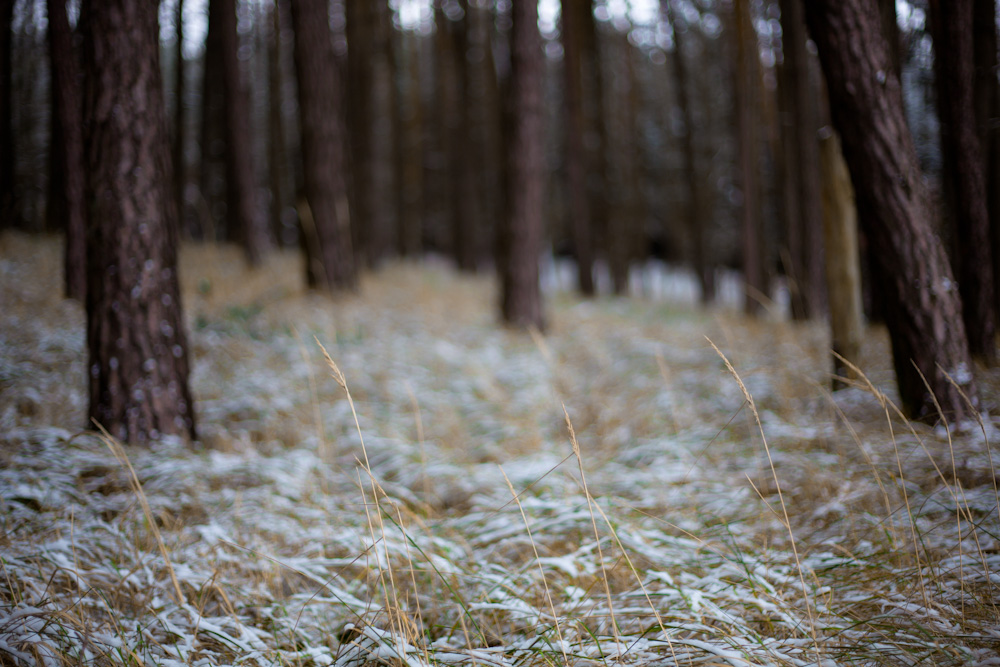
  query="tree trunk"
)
[
  {"x": 843, "y": 266},
  {"x": 359, "y": 122},
  {"x": 751, "y": 225},
  {"x": 382, "y": 176},
  {"x": 696, "y": 218},
  {"x": 987, "y": 110},
  {"x": 924, "y": 313},
  {"x": 326, "y": 229},
  {"x": 179, "y": 134},
  {"x": 6, "y": 114},
  {"x": 521, "y": 302},
  {"x": 212, "y": 166},
  {"x": 410, "y": 213},
  {"x": 138, "y": 363},
  {"x": 595, "y": 131},
  {"x": 67, "y": 149},
  {"x": 576, "y": 167},
  {"x": 277, "y": 150},
  {"x": 802, "y": 124},
  {"x": 952, "y": 24},
  {"x": 242, "y": 214}
]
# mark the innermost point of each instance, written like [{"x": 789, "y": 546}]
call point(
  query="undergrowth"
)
[{"x": 391, "y": 478}]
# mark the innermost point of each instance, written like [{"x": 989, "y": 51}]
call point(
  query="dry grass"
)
[{"x": 645, "y": 526}]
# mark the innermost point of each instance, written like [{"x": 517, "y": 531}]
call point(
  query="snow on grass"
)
[{"x": 291, "y": 544}]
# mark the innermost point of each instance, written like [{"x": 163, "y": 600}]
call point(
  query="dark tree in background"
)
[
  {"x": 6, "y": 114},
  {"x": 179, "y": 130},
  {"x": 924, "y": 313},
  {"x": 211, "y": 207},
  {"x": 747, "y": 83},
  {"x": 963, "y": 179},
  {"x": 800, "y": 125},
  {"x": 521, "y": 298},
  {"x": 326, "y": 226},
  {"x": 987, "y": 92},
  {"x": 66, "y": 181},
  {"x": 576, "y": 167},
  {"x": 138, "y": 363},
  {"x": 359, "y": 16},
  {"x": 243, "y": 216},
  {"x": 698, "y": 221}
]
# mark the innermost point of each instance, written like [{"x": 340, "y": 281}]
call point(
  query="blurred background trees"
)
[{"x": 591, "y": 138}]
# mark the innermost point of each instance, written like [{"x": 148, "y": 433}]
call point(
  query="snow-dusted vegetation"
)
[{"x": 432, "y": 505}]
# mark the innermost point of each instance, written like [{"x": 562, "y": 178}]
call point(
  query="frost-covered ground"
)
[{"x": 674, "y": 534}]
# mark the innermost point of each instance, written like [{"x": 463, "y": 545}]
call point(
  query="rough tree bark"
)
[
  {"x": 67, "y": 195},
  {"x": 326, "y": 228},
  {"x": 576, "y": 168},
  {"x": 138, "y": 363},
  {"x": 924, "y": 313},
  {"x": 212, "y": 204},
  {"x": 521, "y": 298}
]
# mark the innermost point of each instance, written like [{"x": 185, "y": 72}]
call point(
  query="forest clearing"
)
[{"x": 309, "y": 527}]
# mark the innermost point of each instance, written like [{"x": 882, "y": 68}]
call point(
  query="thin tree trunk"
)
[
  {"x": 67, "y": 149},
  {"x": 521, "y": 302},
  {"x": 596, "y": 131},
  {"x": 987, "y": 111},
  {"x": 924, "y": 314},
  {"x": 138, "y": 364},
  {"x": 179, "y": 134},
  {"x": 576, "y": 166},
  {"x": 242, "y": 214},
  {"x": 843, "y": 266},
  {"x": 411, "y": 178},
  {"x": 803, "y": 125},
  {"x": 212, "y": 167},
  {"x": 746, "y": 106},
  {"x": 326, "y": 230},
  {"x": 695, "y": 210},
  {"x": 359, "y": 123},
  {"x": 381, "y": 177},
  {"x": 6, "y": 114},
  {"x": 951, "y": 23},
  {"x": 277, "y": 150}
]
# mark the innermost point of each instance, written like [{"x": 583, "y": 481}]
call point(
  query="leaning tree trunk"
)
[
  {"x": 326, "y": 228},
  {"x": 138, "y": 363},
  {"x": 924, "y": 315},
  {"x": 521, "y": 300},
  {"x": 951, "y": 24},
  {"x": 67, "y": 149}
]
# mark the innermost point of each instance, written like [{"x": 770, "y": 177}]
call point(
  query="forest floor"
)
[{"x": 296, "y": 532}]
